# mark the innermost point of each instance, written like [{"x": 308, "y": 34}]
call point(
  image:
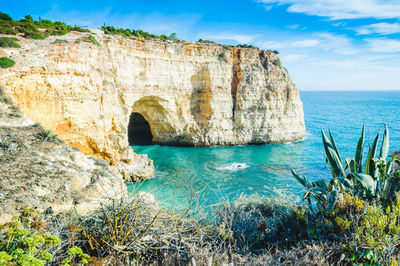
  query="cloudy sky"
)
[{"x": 325, "y": 44}]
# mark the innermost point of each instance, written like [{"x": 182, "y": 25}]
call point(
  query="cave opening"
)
[{"x": 139, "y": 132}]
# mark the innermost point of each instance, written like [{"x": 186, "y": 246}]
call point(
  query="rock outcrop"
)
[
  {"x": 47, "y": 174},
  {"x": 189, "y": 93}
]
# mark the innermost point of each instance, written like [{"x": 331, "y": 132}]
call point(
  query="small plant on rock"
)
[
  {"x": 6, "y": 62},
  {"x": 47, "y": 135}
]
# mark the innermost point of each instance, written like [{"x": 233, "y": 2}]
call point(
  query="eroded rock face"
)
[
  {"x": 45, "y": 174},
  {"x": 190, "y": 94}
]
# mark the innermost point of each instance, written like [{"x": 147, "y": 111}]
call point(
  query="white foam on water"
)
[{"x": 233, "y": 167}]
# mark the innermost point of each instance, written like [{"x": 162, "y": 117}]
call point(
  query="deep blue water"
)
[{"x": 210, "y": 175}]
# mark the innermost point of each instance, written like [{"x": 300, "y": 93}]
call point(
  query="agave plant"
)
[{"x": 372, "y": 182}]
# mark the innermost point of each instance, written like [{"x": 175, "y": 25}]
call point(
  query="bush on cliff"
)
[
  {"x": 138, "y": 33},
  {"x": 30, "y": 28},
  {"x": 6, "y": 62},
  {"x": 4, "y": 16},
  {"x": 6, "y": 42},
  {"x": 23, "y": 242}
]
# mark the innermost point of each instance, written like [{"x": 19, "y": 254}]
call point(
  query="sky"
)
[{"x": 324, "y": 44}]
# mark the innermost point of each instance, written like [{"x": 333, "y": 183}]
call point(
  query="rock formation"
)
[
  {"x": 189, "y": 93},
  {"x": 47, "y": 175}
]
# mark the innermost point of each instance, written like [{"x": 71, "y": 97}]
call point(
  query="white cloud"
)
[
  {"x": 384, "y": 45},
  {"x": 339, "y": 24},
  {"x": 293, "y": 26},
  {"x": 339, "y": 44},
  {"x": 306, "y": 43},
  {"x": 293, "y": 57},
  {"x": 379, "y": 28},
  {"x": 268, "y": 8},
  {"x": 240, "y": 38},
  {"x": 342, "y": 9}
]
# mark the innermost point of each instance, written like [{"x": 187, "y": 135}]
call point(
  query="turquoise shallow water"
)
[{"x": 211, "y": 175}]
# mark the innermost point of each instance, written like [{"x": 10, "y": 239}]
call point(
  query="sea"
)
[{"x": 209, "y": 176}]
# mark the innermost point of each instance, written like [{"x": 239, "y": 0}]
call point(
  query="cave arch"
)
[
  {"x": 139, "y": 131},
  {"x": 161, "y": 119}
]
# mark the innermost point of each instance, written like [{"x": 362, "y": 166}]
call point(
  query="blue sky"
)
[{"x": 325, "y": 44}]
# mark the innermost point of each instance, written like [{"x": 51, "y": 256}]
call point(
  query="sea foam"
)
[{"x": 233, "y": 167}]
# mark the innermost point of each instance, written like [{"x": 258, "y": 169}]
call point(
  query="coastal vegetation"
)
[
  {"x": 32, "y": 29},
  {"x": 351, "y": 218},
  {"x": 6, "y": 62},
  {"x": 138, "y": 33},
  {"x": 6, "y": 42}
]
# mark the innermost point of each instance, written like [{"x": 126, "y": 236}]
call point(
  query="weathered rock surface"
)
[
  {"x": 190, "y": 94},
  {"x": 42, "y": 174}
]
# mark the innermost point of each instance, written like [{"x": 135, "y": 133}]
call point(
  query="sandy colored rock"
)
[
  {"x": 190, "y": 94},
  {"x": 42, "y": 174}
]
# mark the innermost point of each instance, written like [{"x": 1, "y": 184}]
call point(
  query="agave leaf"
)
[
  {"x": 385, "y": 144},
  {"x": 348, "y": 184},
  {"x": 358, "y": 157},
  {"x": 351, "y": 165},
  {"x": 389, "y": 165},
  {"x": 365, "y": 183},
  {"x": 390, "y": 188},
  {"x": 302, "y": 180},
  {"x": 333, "y": 197},
  {"x": 333, "y": 158},
  {"x": 371, "y": 154},
  {"x": 318, "y": 193},
  {"x": 334, "y": 145},
  {"x": 321, "y": 184},
  {"x": 306, "y": 195}
]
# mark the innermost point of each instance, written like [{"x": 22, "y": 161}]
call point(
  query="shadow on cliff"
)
[{"x": 200, "y": 99}]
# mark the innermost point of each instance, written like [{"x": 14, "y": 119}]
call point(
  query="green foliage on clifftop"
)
[
  {"x": 37, "y": 30},
  {"x": 138, "y": 33}
]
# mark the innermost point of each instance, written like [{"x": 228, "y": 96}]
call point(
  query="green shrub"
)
[
  {"x": 4, "y": 16},
  {"x": 6, "y": 28},
  {"x": 376, "y": 230},
  {"x": 90, "y": 39},
  {"x": 247, "y": 46},
  {"x": 60, "y": 41},
  {"x": 137, "y": 33},
  {"x": 30, "y": 28},
  {"x": 173, "y": 36},
  {"x": 34, "y": 35},
  {"x": 206, "y": 41},
  {"x": 27, "y": 18},
  {"x": 6, "y": 62},
  {"x": 9, "y": 42},
  {"x": 22, "y": 242},
  {"x": 222, "y": 57},
  {"x": 254, "y": 222},
  {"x": 47, "y": 135},
  {"x": 4, "y": 143},
  {"x": 277, "y": 62}
]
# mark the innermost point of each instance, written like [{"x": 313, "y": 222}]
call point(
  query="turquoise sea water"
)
[{"x": 210, "y": 175}]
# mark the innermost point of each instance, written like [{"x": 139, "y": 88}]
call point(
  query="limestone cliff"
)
[
  {"x": 189, "y": 93},
  {"x": 47, "y": 175}
]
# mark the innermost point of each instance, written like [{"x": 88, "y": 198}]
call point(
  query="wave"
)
[{"x": 233, "y": 167}]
